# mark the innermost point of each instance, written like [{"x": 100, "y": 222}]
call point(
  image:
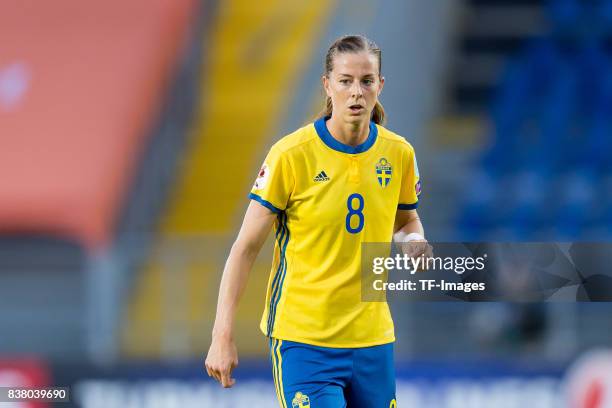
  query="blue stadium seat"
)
[
  {"x": 551, "y": 145},
  {"x": 564, "y": 14}
]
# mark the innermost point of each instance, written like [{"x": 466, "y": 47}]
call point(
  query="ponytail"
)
[
  {"x": 378, "y": 114},
  {"x": 327, "y": 109}
]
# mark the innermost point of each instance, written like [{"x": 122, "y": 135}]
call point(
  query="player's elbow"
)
[
  {"x": 405, "y": 220},
  {"x": 245, "y": 249}
]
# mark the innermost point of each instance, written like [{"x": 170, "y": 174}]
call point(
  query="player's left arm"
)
[
  {"x": 409, "y": 233},
  {"x": 408, "y": 230}
]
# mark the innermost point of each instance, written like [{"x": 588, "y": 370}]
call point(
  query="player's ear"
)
[
  {"x": 382, "y": 84},
  {"x": 325, "y": 82}
]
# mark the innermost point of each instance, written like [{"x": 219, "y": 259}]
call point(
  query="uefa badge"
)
[
  {"x": 383, "y": 172},
  {"x": 262, "y": 177}
]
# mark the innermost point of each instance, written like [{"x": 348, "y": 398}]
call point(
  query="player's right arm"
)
[{"x": 222, "y": 355}]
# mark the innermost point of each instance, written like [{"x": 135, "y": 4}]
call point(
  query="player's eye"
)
[
  {"x": 344, "y": 81},
  {"x": 368, "y": 81}
]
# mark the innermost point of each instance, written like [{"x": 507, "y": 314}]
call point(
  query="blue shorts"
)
[{"x": 308, "y": 376}]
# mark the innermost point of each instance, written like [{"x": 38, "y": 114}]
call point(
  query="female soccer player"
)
[{"x": 327, "y": 187}]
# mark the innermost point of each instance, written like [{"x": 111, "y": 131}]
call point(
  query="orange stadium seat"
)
[{"x": 80, "y": 85}]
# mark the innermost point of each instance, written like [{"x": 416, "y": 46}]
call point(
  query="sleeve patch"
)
[{"x": 262, "y": 177}]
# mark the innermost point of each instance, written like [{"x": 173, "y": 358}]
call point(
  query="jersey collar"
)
[{"x": 329, "y": 140}]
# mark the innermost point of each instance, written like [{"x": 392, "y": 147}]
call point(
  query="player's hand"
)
[
  {"x": 416, "y": 249},
  {"x": 221, "y": 360}
]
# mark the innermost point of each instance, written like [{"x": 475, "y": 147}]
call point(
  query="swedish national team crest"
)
[
  {"x": 300, "y": 401},
  {"x": 383, "y": 172}
]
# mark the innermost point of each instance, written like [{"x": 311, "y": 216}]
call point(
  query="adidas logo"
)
[{"x": 321, "y": 177}]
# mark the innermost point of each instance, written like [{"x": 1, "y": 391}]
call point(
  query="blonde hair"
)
[{"x": 353, "y": 43}]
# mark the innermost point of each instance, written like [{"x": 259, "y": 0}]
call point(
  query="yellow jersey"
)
[{"x": 329, "y": 199}]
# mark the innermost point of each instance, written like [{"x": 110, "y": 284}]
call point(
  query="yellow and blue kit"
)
[{"x": 329, "y": 199}]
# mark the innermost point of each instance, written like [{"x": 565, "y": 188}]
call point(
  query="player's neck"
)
[{"x": 352, "y": 134}]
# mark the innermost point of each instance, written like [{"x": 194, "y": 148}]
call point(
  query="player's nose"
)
[{"x": 356, "y": 89}]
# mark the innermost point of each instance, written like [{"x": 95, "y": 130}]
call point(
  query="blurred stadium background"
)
[{"x": 130, "y": 134}]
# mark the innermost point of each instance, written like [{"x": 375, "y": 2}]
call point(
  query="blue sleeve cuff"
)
[
  {"x": 413, "y": 206},
  {"x": 265, "y": 203}
]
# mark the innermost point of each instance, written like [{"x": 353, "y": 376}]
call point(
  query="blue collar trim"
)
[{"x": 329, "y": 140}]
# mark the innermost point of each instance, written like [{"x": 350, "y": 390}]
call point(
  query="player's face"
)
[{"x": 354, "y": 85}]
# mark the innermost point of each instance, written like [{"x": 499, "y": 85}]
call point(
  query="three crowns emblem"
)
[{"x": 383, "y": 172}]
